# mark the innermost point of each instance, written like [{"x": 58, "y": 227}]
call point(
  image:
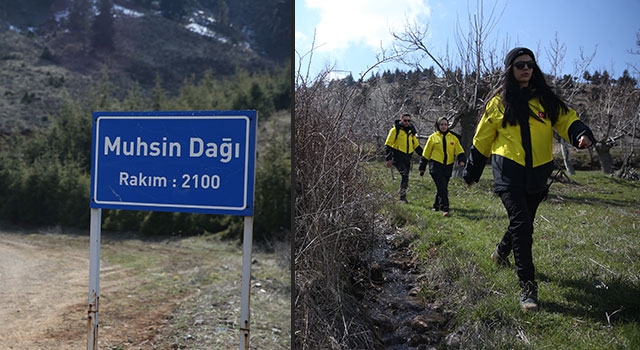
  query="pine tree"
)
[
  {"x": 80, "y": 19},
  {"x": 173, "y": 9},
  {"x": 222, "y": 16},
  {"x": 79, "y": 16},
  {"x": 103, "y": 30}
]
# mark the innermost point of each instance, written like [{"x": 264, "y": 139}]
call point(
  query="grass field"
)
[{"x": 586, "y": 251}]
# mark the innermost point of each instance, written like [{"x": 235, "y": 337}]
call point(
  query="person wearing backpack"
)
[
  {"x": 440, "y": 152},
  {"x": 401, "y": 143},
  {"x": 516, "y": 132}
]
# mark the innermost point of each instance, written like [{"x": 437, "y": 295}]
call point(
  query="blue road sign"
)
[{"x": 187, "y": 161}]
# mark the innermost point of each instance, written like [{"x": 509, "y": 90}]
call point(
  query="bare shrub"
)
[{"x": 334, "y": 218}]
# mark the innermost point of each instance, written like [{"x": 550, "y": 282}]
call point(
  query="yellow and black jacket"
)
[
  {"x": 440, "y": 152},
  {"x": 401, "y": 143},
  {"x": 508, "y": 152}
]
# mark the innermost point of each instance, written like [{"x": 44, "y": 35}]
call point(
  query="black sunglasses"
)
[{"x": 520, "y": 64}]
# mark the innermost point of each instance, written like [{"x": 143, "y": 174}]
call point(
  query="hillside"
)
[{"x": 42, "y": 63}]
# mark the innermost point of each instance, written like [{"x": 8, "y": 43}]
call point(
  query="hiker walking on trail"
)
[
  {"x": 516, "y": 131},
  {"x": 399, "y": 147},
  {"x": 440, "y": 152}
]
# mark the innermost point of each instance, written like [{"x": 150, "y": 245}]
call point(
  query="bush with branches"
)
[{"x": 334, "y": 219}]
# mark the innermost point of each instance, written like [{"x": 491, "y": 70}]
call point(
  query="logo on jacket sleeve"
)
[{"x": 542, "y": 115}]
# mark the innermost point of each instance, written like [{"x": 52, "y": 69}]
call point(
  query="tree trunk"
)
[
  {"x": 467, "y": 120},
  {"x": 564, "y": 148},
  {"x": 606, "y": 161},
  {"x": 624, "y": 169}
]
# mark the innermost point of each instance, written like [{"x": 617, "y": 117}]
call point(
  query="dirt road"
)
[
  {"x": 154, "y": 294},
  {"x": 43, "y": 293}
]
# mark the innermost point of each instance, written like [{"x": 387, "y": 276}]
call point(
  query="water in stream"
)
[{"x": 401, "y": 318}]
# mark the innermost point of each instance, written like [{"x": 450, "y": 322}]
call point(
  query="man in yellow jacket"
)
[
  {"x": 399, "y": 147},
  {"x": 440, "y": 152}
]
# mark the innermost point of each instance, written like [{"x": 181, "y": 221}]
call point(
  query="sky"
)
[{"x": 347, "y": 35}]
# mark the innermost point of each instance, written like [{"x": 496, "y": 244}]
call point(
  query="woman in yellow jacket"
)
[
  {"x": 516, "y": 131},
  {"x": 440, "y": 152}
]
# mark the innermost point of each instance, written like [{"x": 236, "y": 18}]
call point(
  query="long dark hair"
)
[{"x": 515, "y": 99}]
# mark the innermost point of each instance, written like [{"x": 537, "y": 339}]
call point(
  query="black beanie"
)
[{"x": 513, "y": 54}]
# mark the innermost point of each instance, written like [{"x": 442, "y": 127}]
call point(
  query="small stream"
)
[{"x": 401, "y": 319}]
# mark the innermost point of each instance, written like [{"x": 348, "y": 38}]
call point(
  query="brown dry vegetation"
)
[
  {"x": 28, "y": 91},
  {"x": 334, "y": 216}
]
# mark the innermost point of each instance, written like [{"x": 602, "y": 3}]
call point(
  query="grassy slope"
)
[{"x": 586, "y": 250}]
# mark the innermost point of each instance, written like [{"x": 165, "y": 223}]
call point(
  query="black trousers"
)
[
  {"x": 441, "y": 179},
  {"x": 403, "y": 169},
  {"x": 521, "y": 209}
]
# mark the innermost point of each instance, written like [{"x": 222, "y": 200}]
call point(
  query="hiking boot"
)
[
  {"x": 501, "y": 260},
  {"x": 529, "y": 296},
  {"x": 403, "y": 199},
  {"x": 445, "y": 213}
]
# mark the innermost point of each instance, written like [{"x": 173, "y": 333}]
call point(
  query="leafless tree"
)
[
  {"x": 633, "y": 133},
  {"x": 463, "y": 88},
  {"x": 612, "y": 110},
  {"x": 566, "y": 86},
  {"x": 636, "y": 51}
]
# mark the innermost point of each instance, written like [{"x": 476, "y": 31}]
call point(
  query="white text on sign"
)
[
  {"x": 225, "y": 151},
  {"x": 187, "y": 181}
]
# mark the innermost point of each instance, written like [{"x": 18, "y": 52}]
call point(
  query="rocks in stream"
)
[{"x": 400, "y": 317}]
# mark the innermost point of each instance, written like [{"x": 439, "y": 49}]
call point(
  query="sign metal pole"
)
[
  {"x": 94, "y": 278},
  {"x": 245, "y": 310}
]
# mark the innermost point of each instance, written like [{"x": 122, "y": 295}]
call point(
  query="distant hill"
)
[{"x": 42, "y": 61}]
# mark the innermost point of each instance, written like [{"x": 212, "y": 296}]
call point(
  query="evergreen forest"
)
[{"x": 45, "y": 175}]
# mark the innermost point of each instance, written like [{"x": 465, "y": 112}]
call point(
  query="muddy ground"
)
[{"x": 402, "y": 318}]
